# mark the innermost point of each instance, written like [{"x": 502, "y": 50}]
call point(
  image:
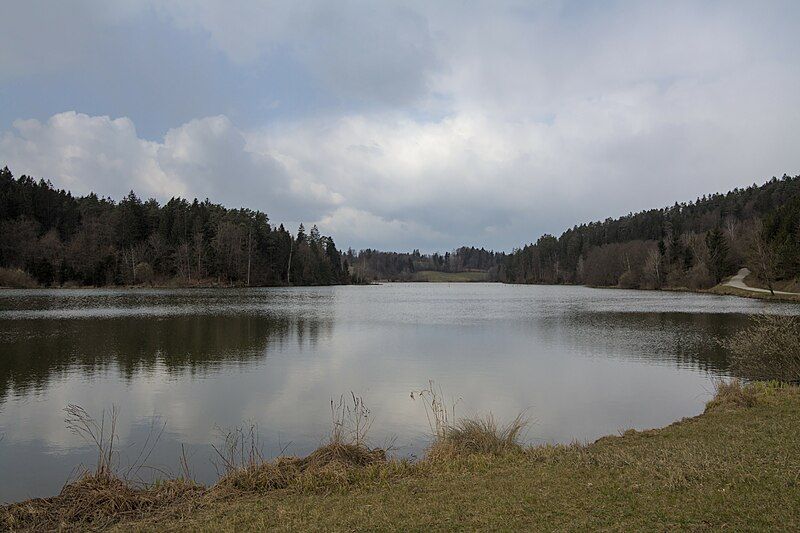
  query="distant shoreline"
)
[{"x": 718, "y": 290}]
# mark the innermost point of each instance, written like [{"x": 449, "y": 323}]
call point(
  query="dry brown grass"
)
[
  {"x": 327, "y": 467},
  {"x": 245, "y": 469},
  {"x": 732, "y": 394},
  {"x": 729, "y": 469},
  {"x": 466, "y": 436},
  {"x": 676, "y": 477},
  {"x": 96, "y": 501},
  {"x": 477, "y": 436},
  {"x": 105, "y": 495}
]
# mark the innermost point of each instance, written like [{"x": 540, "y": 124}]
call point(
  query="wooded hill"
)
[
  {"x": 49, "y": 237},
  {"x": 692, "y": 244},
  {"x": 59, "y": 239}
]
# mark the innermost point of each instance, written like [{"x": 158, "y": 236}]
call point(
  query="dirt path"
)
[{"x": 738, "y": 282}]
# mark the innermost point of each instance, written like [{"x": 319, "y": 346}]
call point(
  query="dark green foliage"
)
[
  {"x": 718, "y": 263},
  {"x": 699, "y": 243},
  {"x": 370, "y": 264},
  {"x": 782, "y": 229},
  {"x": 95, "y": 241}
]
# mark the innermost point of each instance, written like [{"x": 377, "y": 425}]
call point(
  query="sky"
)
[{"x": 406, "y": 125}]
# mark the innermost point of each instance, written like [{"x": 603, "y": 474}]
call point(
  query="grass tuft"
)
[
  {"x": 732, "y": 394},
  {"x": 478, "y": 436},
  {"x": 97, "y": 500},
  {"x": 467, "y": 436},
  {"x": 330, "y": 464}
]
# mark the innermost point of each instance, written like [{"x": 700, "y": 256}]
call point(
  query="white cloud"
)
[
  {"x": 354, "y": 225},
  {"x": 206, "y": 157},
  {"x": 86, "y": 154},
  {"x": 488, "y": 124},
  {"x": 474, "y": 177}
]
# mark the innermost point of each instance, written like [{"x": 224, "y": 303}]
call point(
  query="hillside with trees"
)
[
  {"x": 49, "y": 237},
  {"x": 372, "y": 265},
  {"x": 692, "y": 245}
]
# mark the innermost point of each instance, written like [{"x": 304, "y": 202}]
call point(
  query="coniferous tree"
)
[
  {"x": 95, "y": 241},
  {"x": 718, "y": 264},
  {"x": 697, "y": 251}
]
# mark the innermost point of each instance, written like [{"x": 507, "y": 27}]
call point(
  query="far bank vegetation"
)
[
  {"x": 691, "y": 245},
  {"x": 54, "y": 239}
]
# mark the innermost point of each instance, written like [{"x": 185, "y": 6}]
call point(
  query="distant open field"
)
[{"x": 451, "y": 277}]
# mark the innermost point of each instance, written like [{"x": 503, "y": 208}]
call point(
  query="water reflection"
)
[
  {"x": 37, "y": 352},
  {"x": 684, "y": 340},
  {"x": 583, "y": 362}
]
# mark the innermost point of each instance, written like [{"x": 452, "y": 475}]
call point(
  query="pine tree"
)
[{"x": 718, "y": 264}]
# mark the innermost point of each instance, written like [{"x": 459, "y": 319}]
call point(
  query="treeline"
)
[
  {"x": 371, "y": 265},
  {"x": 58, "y": 239},
  {"x": 693, "y": 244}
]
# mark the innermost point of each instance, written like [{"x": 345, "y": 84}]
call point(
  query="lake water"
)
[{"x": 580, "y": 362}]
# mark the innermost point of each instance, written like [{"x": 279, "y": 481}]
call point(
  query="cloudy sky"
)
[{"x": 413, "y": 125}]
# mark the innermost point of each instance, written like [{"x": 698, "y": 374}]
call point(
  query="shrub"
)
[
  {"x": 767, "y": 350},
  {"x": 16, "y": 279},
  {"x": 629, "y": 280},
  {"x": 676, "y": 278},
  {"x": 699, "y": 277},
  {"x": 144, "y": 273}
]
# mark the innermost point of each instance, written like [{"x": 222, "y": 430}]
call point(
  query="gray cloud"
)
[
  {"x": 486, "y": 124},
  {"x": 204, "y": 158},
  {"x": 361, "y": 50}
]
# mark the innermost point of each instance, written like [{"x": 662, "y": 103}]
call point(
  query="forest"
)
[
  {"x": 48, "y": 237},
  {"x": 693, "y": 245},
  {"x": 373, "y": 265}
]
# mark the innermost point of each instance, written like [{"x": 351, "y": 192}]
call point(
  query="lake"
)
[{"x": 580, "y": 362}]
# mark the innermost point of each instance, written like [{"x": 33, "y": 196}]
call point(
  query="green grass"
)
[
  {"x": 451, "y": 277},
  {"x": 735, "y": 467}
]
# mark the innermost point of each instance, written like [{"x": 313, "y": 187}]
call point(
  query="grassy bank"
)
[
  {"x": 786, "y": 285},
  {"x": 727, "y": 290},
  {"x": 736, "y": 466}
]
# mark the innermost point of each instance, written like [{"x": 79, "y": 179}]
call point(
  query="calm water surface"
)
[{"x": 581, "y": 362}]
